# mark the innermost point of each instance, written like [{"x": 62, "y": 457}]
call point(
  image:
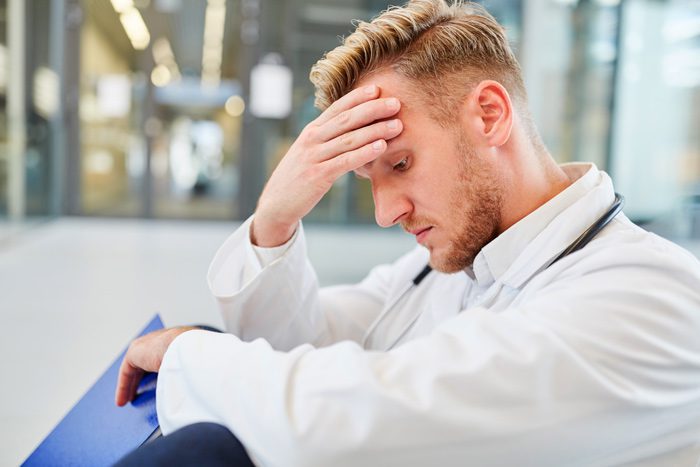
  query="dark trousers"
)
[{"x": 201, "y": 444}]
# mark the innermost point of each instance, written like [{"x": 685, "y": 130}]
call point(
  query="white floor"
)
[{"x": 73, "y": 292}]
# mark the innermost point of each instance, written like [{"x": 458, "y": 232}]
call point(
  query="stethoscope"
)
[{"x": 579, "y": 243}]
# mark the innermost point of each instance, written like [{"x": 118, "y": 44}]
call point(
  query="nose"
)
[{"x": 390, "y": 206}]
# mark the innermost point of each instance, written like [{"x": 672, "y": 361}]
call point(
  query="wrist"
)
[
  {"x": 173, "y": 333},
  {"x": 170, "y": 336},
  {"x": 269, "y": 234}
]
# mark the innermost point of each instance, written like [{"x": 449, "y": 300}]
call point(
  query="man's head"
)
[{"x": 453, "y": 175}]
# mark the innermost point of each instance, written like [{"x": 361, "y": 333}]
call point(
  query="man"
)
[{"x": 503, "y": 355}]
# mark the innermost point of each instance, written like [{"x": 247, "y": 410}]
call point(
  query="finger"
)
[
  {"x": 357, "y": 117},
  {"x": 384, "y": 130},
  {"x": 352, "y": 160},
  {"x": 121, "y": 383},
  {"x": 348, "y": 101},
  {"x": 134, "y": 386},
  {"x": 131, "y": 385},
  {"x": 129, "y": 376}
]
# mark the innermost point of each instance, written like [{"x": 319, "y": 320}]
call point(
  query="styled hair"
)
[{"x": 445, "y": 48}]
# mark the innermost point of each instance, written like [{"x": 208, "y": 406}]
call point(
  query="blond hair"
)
[{"x": 448, "y": 48}]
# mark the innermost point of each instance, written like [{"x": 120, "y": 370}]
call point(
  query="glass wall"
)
[
  {"x": 41, "y": 81},
  {"x": 656, "y": 126},
  {"x": 182, "y": 109},
  {"x": 3, "y": 111},
  {"x": 28, "y": 102},
  {"x": 158, "y": 140},
  {"x": 569, "y": 57},
  {"x": 38, "y": 111}
]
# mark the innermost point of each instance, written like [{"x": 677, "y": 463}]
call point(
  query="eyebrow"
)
[{"x": 386, "y": 153}]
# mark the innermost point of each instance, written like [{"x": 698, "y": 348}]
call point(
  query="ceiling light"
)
[
  {"x": 163, "y": 55},
  {"x": 235, "y": 106},
  {"x": 212, "y": 50},
  {"x": 161, "y": 76},
  {"x": 122, "y": 6},
  {"x": 135, "y": 28},
  {"x": 46, "y": 92}
]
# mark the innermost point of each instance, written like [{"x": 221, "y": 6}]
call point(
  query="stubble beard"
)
[{"x": 476, "y": 203}]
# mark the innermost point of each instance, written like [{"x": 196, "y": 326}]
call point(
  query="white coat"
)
[{"x": 592, "y": 361}]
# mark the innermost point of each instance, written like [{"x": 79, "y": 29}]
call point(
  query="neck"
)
[{"x": 534, "y": 182}]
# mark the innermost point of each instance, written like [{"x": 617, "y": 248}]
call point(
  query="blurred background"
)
[
  {"x": 136, "y": 134},
  {"x": 174, "y": 109}
]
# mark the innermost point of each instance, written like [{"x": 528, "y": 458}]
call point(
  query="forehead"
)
[
  {"x": 414, "y": 118},
  {"x": 411, "y": 113}
]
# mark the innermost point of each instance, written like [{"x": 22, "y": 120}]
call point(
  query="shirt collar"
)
[{"x": 528, "y": 245}]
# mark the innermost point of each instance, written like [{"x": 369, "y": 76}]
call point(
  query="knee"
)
[{"x": 197, "y": 444}]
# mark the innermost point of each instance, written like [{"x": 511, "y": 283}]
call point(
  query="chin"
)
[{"x": 447, "y": 263}]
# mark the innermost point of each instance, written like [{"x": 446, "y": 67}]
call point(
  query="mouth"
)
[{"x": 421, "y": 233}]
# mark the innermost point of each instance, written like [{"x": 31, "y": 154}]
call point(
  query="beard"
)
[{"x": 476, "y": 203}]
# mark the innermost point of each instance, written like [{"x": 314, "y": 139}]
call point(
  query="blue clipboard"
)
[{"x": 96, "y": 432}]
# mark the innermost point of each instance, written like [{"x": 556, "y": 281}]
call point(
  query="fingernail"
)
[
  {"x": 371, "y": 89},
  {"x": 392, "y": 103},
  {"x": 377, "y": 145},
  {"x": 392, "y": 124}
]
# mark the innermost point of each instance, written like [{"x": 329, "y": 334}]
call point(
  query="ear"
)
[{"x": 490, "y": 113}]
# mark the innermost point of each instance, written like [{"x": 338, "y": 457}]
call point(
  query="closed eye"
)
[{"x": 402, "y": 165}]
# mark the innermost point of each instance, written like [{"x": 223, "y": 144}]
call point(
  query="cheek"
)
[{"x": 436, "y": 205}]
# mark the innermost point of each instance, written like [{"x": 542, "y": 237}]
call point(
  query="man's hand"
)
[
  {"x": 343, "y": 138},
  {"x": 145, "y": 354}
]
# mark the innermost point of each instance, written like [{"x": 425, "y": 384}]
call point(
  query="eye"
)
[{"x": 402, "y": 165}]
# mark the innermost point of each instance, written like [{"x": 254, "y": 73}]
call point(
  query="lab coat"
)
[{"x": 594, "y": 360}]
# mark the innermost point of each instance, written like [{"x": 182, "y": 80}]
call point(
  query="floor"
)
[{"x": 74, "y": 291}]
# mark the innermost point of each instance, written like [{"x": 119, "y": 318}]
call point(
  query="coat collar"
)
[{"x": 532, "y": 243}]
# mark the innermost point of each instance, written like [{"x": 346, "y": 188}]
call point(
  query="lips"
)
[{"x": 421, "y": 234}]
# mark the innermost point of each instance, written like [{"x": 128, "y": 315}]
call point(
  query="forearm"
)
[
  {"x": 276, "y": 301},
  {"x": 446, "y": 399}
]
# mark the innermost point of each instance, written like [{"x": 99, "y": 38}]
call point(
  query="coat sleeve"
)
[
  {"x": 590, "y": 366},
  {"x": 282, "y": 302}
]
